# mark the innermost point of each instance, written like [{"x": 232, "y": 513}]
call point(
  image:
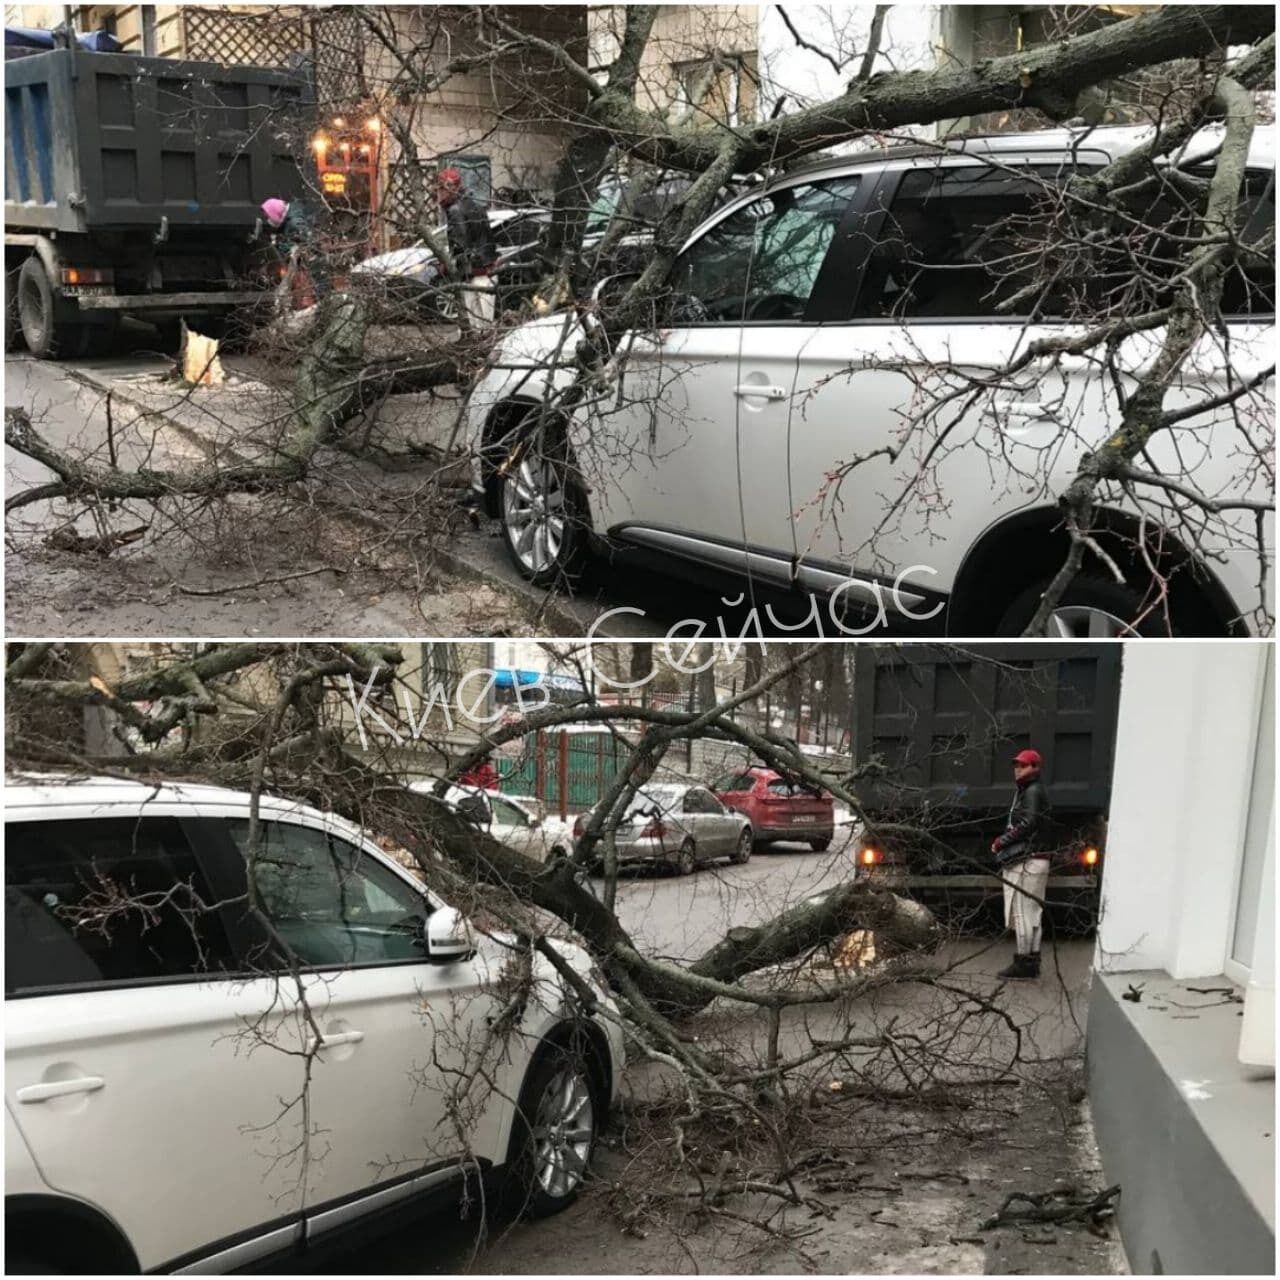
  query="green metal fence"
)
[{"x": 554, "y": 762}]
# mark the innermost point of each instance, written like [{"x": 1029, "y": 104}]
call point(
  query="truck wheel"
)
[
  {"x": 12, "y": 324},
  {"x": 820, "y": 845},
  {"x": 168, "y": 336},
  {"x": 46, "y": 337}
]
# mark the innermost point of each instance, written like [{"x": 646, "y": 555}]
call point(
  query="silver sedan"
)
[{"x": 679, "y": 825}]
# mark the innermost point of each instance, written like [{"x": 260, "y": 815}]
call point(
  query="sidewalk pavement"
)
[{"x": 245, "y": 419}]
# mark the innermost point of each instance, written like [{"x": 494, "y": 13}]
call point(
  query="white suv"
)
[
  {"x": 519, "y": 822},
  {"x": 156, "y": 1047},
  {"x": 806, "y": 321}
]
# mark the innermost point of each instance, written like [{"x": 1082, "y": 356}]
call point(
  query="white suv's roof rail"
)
[
  {"x": 55, "y": 791},
  {"x": 1112, "y": 140}
]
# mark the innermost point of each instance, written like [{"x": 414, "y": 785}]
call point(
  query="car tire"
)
[
  {"x": 821, "y": 845},
  {"x": 46, "y": 336},
  {"x": 742, "y": 851},
  {"x": 547, "y": 548},
  {"x": 548, "y": 1166},
  {"x": 686, "y": 859},
  {"x": 1090, "y": 608}
]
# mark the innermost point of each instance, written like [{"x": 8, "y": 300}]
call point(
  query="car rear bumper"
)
[
  {"x": 647, "y": 850},
  {"x": 802, "y": 832}
]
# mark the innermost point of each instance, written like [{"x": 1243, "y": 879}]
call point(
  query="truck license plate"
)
[{"x": 805, "y": 817}]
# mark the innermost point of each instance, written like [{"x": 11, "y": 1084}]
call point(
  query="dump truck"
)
[
  {"x": 133, "y": 186},
  {"x": 934, "y": 733}
]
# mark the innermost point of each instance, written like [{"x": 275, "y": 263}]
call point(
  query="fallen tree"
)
[
  {"x": 1178, "y": 303},
  {"x": 764, "y": 1036}
]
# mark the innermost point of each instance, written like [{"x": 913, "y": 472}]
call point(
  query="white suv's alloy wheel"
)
[
  {"x": 562, "y": 1133},
  {"x": 533, "y": 509},
  {"x": 1077, "y": 622}
]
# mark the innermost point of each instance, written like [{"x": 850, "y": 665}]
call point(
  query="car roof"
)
[
  {"x": 57, "y": 791},
  {"x": 1112, "y": 140}
]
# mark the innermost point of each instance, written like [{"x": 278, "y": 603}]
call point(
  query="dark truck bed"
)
[
  {"x": 945, "y": 725},
  {"x": 133, "y": 185},
  {"x": 97, "y": 141}
]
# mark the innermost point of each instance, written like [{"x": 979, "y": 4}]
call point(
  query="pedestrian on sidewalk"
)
[
  {"x": 471, "y": 246},
  {"x": 1023, "y": 860}
]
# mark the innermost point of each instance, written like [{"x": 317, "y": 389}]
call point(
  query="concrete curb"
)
[{"x": 564, "y": 620}]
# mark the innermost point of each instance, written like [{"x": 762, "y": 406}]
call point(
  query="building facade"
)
[{"x": 1181, "y": 1033}]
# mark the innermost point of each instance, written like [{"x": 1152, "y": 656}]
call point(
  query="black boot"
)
[
  {"x": 1034, "y": 958},
  {"x": 1022, "y": 967}
]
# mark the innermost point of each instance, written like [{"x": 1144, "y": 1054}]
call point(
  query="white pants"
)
[
  {"x": 1025, "y": 883},
  {"x": 478, "y": 301}
]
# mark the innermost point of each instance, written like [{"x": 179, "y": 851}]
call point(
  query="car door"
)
[
  {"x": 894, "y": 469},
  {"x": 680, "y": 456},
  {"x": 725, "y": 823},
  {"x": 398, "y": 1037},
  {"x": 514, "y": 828},
  {"x": 700, "y": 816},
  {"x": 148, "y": 1077}
]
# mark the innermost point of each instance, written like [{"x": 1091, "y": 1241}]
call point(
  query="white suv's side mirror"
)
[{"x": 449, "y": 937}]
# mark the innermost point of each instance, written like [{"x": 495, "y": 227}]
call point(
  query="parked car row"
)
[
  {"x": 681, "y": 826},
  {"x": 803, "y": 324},
  {"x": 414, "y": 280},
  {"x": 159, "y": 1111}
]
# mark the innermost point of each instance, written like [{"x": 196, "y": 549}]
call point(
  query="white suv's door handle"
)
[
  {"x": 760, "y": 390},
  {"x": 331, "y": 1042},
  {"x": 59, "y": 1088},
  {"x": 1030, "y": 410}
]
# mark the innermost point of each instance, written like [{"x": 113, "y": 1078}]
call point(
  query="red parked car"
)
[{"x": 778, "y": 809}]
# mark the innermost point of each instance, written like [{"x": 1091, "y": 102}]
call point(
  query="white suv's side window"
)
[
  {"x": 107, "y": 901},
  {"x": 761, "y": 263},
  {"x": 328, "y": 902},
  {"x": 508, "y": 815}
]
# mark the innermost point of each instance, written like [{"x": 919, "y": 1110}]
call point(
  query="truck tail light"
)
[
  {"x": 1089, "y": 857},
  {"x": 654, "y": 831},
  {"x": 88, "y": 275},
  {"x": 869, "y": 856}
]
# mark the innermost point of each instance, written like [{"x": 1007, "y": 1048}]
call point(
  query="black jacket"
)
[
  {"x": 470, "y": 239},
  {"x": 1027, "y": 827}
]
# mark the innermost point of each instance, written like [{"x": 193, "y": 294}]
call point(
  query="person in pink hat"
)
[{"x": 294, "y": 236}]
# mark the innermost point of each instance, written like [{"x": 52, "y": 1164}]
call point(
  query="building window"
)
[{"x": 720, "y": 88}]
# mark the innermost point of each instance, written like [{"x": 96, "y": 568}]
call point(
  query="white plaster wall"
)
[{"x": 1185, "y": 740}]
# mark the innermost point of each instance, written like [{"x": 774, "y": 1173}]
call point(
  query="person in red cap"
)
[
  {"x": 1024, "y": 864},
  {"x": 471, "y": 246}
]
